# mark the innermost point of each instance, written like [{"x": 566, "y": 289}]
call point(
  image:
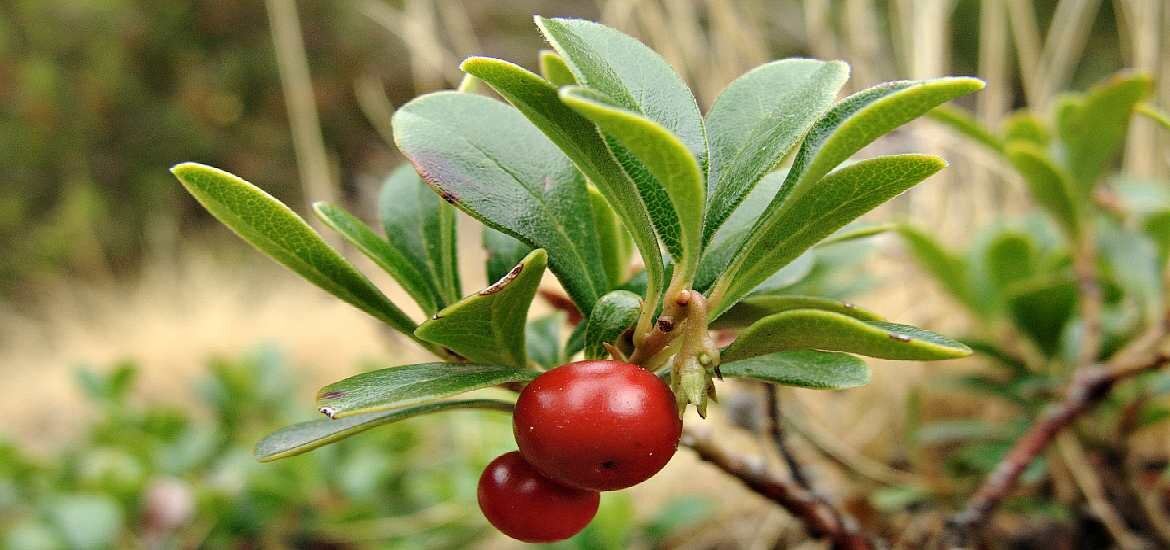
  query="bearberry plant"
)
[
  {"x": 1067, "y": 306},
  {"x": 604, "y": 153}
]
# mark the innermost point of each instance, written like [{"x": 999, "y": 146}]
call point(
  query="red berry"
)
[
  {"x": 529, "y": 507},
  {"x": 599, "y": 425}
]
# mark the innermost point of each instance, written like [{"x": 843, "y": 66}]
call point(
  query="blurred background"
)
[{"x": 144, "y": 349}]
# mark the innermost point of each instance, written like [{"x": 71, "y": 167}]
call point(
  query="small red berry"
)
[
  {"x": 529, "y": 507},
  {"x": 598, "y": 425}
]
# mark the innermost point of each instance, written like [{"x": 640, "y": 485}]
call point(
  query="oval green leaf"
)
[
  {"x": 421, "y": 227},
  {"x": 486, "y": 159},
  {"x": 817, "y": 211},
  {"x": 756, "y": 307},
  {"x": 829, "y": 331},
  {"x": 615, "y": 313},
  {"x": 277, "y": 231},
  {"x": 664, "y": 156},
  {"x": 409, "y": 385},
  {"x": 818, "y": 370},
  {"x": 488, "y": 326},
  {"x": 305, "y": 436},
  {"x": 757, "y": 120},
  {"x": 614, "y": 240},
  {"x": 554, "y": 70},
  {"x": 1050, "y": 186},
  {"x": 1093, "y": 127},
  {"x": 401, "y": 268}
]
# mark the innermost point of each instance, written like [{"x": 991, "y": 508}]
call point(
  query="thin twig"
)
[
  {"x": 846, "y": 457},
  {"x": 1090, "y": 485},
  {"x": 817, "y": 516},
  {"x": 1089, "y": 388},
  {"x": 775, "y": 428}
]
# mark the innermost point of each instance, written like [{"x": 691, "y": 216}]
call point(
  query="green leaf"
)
[
  {"x": 306, "y": 436},
  {"x": 486, "y": 159},
  {"x": 554, "y": 69},
  {"x": 965, "y": 125},
  {"x": 753, "y": 308},
  {"x": 543, "y": 338},
  {"x": 488, "y": 326},
  {"x": 860, "y": 119},
  {"x": 948, "y": 270},
  {"x": 613, "y": 239},
  {"x": 421, "y": 227},
  {"x": 848, "y": 235},
  {"x": 1049, "y": 186},
  {"x": 401, "y": 268},
  {"x": 503, "y": 253},
  {"x": 1010, "y": 258},
  {"x": 637, "y": 79},
  {"x": 1092, "y": 128},
  {"x": 580, "y": 140},
  {"x": 1041, "y": 308},
  {"x": 819, "y": 370},
  {"x": 784, "y": 233},
  {"x": 410, "y": 385},
  {"x": 730, "y": 237},
  {"x": 664, "y": 155},
  {"x": 757, "y": 120},
  {"x": 615, "y": 313},
  {"x": 277, "y": 231},
  {"x": 829, "y": 331},
  {"x": 1027, "y": 127},
  {"x": 1157, "y": 227},
  {"x": 1155, "y": 114}
]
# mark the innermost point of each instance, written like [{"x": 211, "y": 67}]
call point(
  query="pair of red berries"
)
[{"x": 583, "y": 427}]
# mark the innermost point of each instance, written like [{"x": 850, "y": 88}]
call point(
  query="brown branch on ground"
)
[
  {"x": 775, "y": 429},
  {"x": 1088, "y": 389},
  {"x": 818, "y": 517}
]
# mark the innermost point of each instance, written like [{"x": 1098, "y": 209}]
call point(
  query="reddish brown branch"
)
[
  {"x": 1088, "y": 389},
  {"x": 817, "y": 516}
]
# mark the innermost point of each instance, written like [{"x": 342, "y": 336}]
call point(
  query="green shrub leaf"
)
[
  {"x": 664, "y": 156},
  {"x": 612, "y": 237},
  {"x": 306, "y": 436},
  {"x": 1025, "y": 126},
  {"x": 860, "y": 119},
  {"x": 965, "y": 125},
  {"x": 850, "y": 234},
  {"x": 950, "y": 271},
  {"x": 421, "y": 226},
  {"x": 486, "y": 159},
  {"x": 615, "y": 313},
  {"x": 410, "y": 385},
  {"x": 637, "y": 79},
  {"x": 1041, "y": 308},
  {"x": 488, "y": 326},
  {"x": 1049, "y": 186},
  {"x": 819, "y": 370},
  {"x": 580, "y": 140},
  {"x": 1010, "y": 258},
  {"x": 633, "y": 75},
  {"x": 830, "y": 331},
  {"x": 543, "y": 339},
  {"x": 401, "y": 268},
  {"x": 757, "y": 120},
  {"x": 1093, "y": 127},
  {"x": 503, "y": 253},
  {"x": 554, "y": 70},
  {"x": 756, "y": 307},
  {"x": 277, "y": 231},
  {"x": 784, "y": 233}
]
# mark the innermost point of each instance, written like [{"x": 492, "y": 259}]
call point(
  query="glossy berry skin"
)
[
  {"x": 529, "y": 507},
  {"x": 598, "y": 425}
]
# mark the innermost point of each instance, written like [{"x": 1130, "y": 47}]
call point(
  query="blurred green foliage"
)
[
  {"x": 100, "y": 97},
  {"x": 167, "y": 477}
]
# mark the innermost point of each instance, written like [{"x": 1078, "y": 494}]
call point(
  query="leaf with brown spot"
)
[
  {"x": 488, "y": 326},
  {"x": 831, "y": 331}
]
